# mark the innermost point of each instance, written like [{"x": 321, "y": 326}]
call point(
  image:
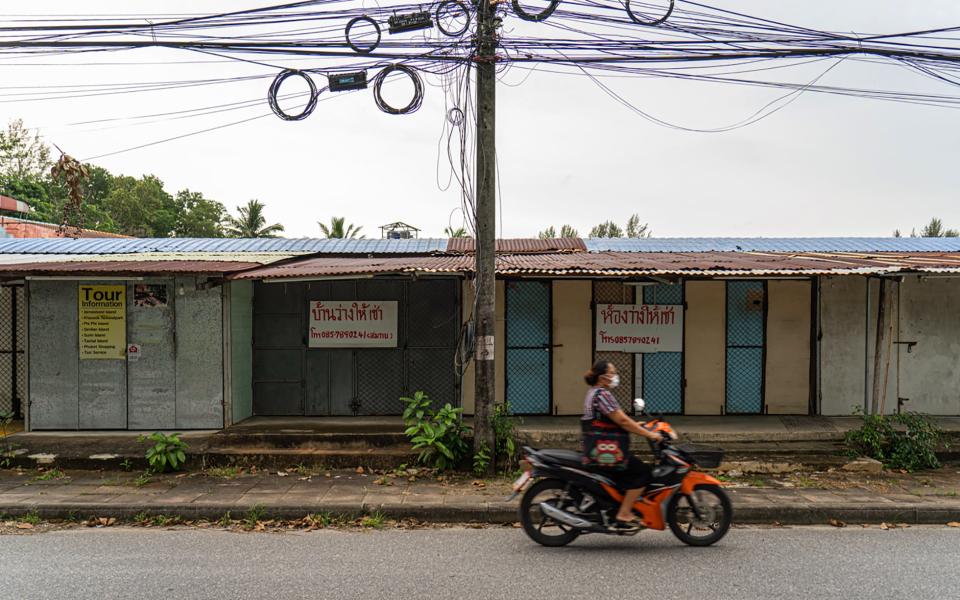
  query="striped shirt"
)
[{"x": 606, "y": 403}]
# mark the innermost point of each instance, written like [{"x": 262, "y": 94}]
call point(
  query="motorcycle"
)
[{"x": 563, "y": 499}]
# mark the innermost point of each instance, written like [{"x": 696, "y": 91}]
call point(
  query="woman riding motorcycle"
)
[{"x": 606, "y": 440}]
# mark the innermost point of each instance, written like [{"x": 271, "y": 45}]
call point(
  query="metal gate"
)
[
  {"x": 746, "y": 322},
  {"x": 528, "y": 352},
  {"x": 13, "y": 368},
  {"x": 291, "y": 379},
  {"x": 615, "y": 292},
  {"x": 662, "y": 372}
]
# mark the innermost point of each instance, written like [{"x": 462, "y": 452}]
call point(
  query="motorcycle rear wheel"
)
[
  {"x": 714, "y": 524},
  {"x": 539, "y": 527}
]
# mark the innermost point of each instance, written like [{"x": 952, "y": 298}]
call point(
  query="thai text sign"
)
[
  {"x": 639, "y": 327},
  {"x": 360, "y": 324},
  {"x": 103, "y": 321}
]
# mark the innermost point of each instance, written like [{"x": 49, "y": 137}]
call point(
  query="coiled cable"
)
[
  {"x": 415, "y": 102},
  {"x": 275, "y": 89}
]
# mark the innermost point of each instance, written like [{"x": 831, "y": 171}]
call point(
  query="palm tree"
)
[
  {"x": 251, "y": 223},
  {"x": 459, "y": 232},
  {"x": 339, "y": 228}
]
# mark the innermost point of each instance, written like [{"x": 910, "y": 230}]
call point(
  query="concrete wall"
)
[
  {"x": 787, "y": 369},
  {"x": 69, "y": 393},
  {"x": 467, "y": 387},
  {"x": 241, "y": 349},
  {"x": 929, "y": 373},
  {"x": 572, "y": 343},
  {"x": 705, "y": 347}
]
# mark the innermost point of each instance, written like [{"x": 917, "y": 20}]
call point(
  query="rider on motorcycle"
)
[{"x": 606, "y": 439}]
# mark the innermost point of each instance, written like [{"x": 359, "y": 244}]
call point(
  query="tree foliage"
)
[
  {"x": 459, "y": 232},
  {"x": 932, "y": 229},
  {"x": 339, "y": 228},
  {"x": 136, "y": 206},
  {"x": 566, "y": 231},
  {"x": 634, "y": 229},
  {"x": 251, "y": 222}
]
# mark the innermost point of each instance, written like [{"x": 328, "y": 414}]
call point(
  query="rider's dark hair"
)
[{"x": 599, "y": 368}]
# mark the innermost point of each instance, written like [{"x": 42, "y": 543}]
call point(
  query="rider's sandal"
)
[{"x": 630, "y": 525}]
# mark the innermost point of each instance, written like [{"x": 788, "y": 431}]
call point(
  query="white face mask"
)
[{"x": 614, "y": 380}]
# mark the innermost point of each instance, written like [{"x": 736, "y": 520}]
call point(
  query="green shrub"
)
[
  {"x": 439, "y": 436},
  {"x": 481, "y": 460},
  {"x": 166, "y": 453},
  {"x": 905, "y": 441},
  {"x": 504, "y": 426}
]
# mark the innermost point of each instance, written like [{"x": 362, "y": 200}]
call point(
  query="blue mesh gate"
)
[
  {"x": 662, "y": 372},
  {"x": 746, "y": 316},
  {"x": 528, "y": 355}
]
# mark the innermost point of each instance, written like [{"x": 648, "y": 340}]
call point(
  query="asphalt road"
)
[{"x": 850, "y": 563}]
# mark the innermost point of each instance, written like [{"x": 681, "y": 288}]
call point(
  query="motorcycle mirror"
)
[{"x": 639, "y": 405}]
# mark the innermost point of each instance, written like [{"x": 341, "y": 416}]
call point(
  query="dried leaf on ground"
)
[
  {"x": 24, "y": 526},
  {"x": 837, "y": 523},
  {"x": 282, "y": 474},
  {"x": 953, "y": 524},
  {"x": 360, "y": 470}
]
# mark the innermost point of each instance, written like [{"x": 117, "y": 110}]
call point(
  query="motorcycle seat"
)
[{"x": 567, "y": 458}]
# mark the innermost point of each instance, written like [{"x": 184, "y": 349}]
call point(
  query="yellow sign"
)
[{"x": 103, "y": 321}]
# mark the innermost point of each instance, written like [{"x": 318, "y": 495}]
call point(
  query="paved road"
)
[{"x": 851, "y": 563}]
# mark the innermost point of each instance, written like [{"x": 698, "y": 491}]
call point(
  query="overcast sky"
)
[{"x": 568, "y": 153}]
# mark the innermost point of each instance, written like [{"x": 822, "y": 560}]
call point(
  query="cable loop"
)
[{"x": 275, "y": 89}]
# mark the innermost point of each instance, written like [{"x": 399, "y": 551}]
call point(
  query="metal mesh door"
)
[
  {"x": 746, "y": 310},
  {"x": 13, "y": 369},
  {"x": 434, "y": 321},
  {"x": 663, "y": 371},
  {"x": 528, "y": 353},
  {"x": 615, "y": 292}
]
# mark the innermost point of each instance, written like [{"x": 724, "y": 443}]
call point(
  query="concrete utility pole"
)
[{"x": 486, "y": 186}]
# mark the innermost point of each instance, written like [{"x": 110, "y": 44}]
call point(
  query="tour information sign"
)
[
  {"x": 639, "y": 327},
  {"x": 103, "y": 321},
  {"x": 359, "y": 324}
]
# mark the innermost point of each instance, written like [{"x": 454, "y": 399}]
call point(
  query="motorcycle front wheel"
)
[
  {"x": 541, "y": 528},
  {"x": 712, "y": 523}
]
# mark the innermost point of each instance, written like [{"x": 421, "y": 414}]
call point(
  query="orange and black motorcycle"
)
[{"x": 563, "y": 499}]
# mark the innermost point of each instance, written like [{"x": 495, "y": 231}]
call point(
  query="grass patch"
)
[
  {"x": 31, "y": 517},
  {"x": 374, "y": 521},
  {"x": 254, "y": 516},
  {"x": 50, "y": 475},
  {"x": 230, "y": 472},
  {"x": 757, "y": 482},
  {"x": 326, "y": 519},
  {"x": 226, "y": 520},
  {"x": 142, "y": 479},
  {"x": 165, "y": 520}
]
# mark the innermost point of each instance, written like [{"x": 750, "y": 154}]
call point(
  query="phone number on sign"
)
[{"x": 350, "y": 335}]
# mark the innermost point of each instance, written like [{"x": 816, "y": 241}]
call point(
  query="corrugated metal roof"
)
[
  {"x": 248, "y": 257},
  {"x": 521, "y": 245},
  {"x": 334, "y": 266},
  {"x": 260, "y": 245},
  {"x": 624, "y": 264},
  {"x": 125, "y": 267},
  {"x": 806, "y": 244}
]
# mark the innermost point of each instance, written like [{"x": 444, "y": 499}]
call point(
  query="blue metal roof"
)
[
  {"x": 140, "y": 245},
  {"x": 825, "y": 244}
]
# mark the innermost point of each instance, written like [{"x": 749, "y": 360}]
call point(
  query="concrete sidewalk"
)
[{"x": 295, "y": 494}]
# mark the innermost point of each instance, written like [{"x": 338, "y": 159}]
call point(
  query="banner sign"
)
[
  {"x": 103, "y": 321},
  {"x": 360, "y": 324},
  {"x": 639, "y": 327}
]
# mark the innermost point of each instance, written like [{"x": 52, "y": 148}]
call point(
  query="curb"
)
[{"x": 497, "y": 512}]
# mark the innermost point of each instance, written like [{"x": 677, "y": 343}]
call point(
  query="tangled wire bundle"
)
[
  {"x": 415, "y": 102},
  {"x": 275, "y": 89},
  {"x": 637, "y": 19},
  {"x": 363, "y": 48},
  {"x": 540, "y": 16}
]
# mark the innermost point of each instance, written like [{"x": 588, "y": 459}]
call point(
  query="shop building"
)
[{"x": 201, "y": 334}]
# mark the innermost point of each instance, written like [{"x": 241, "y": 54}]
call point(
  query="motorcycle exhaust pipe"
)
[{"x": 564, "y": 517}]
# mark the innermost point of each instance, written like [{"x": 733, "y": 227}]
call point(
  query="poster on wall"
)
[
  {"x": 639, "y": 328},
  {"x": 353, "y": 324},
  {"x": 147, "y": 294},
  {"x": 102, "y": 321}
]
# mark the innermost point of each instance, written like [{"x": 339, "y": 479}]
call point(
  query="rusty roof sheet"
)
[
  {"x": 124, "y": 267},
  {"x": 521, "y": 245},
  {"x": 325, "y": 266},
  {"x": 622, "y": 264}
]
